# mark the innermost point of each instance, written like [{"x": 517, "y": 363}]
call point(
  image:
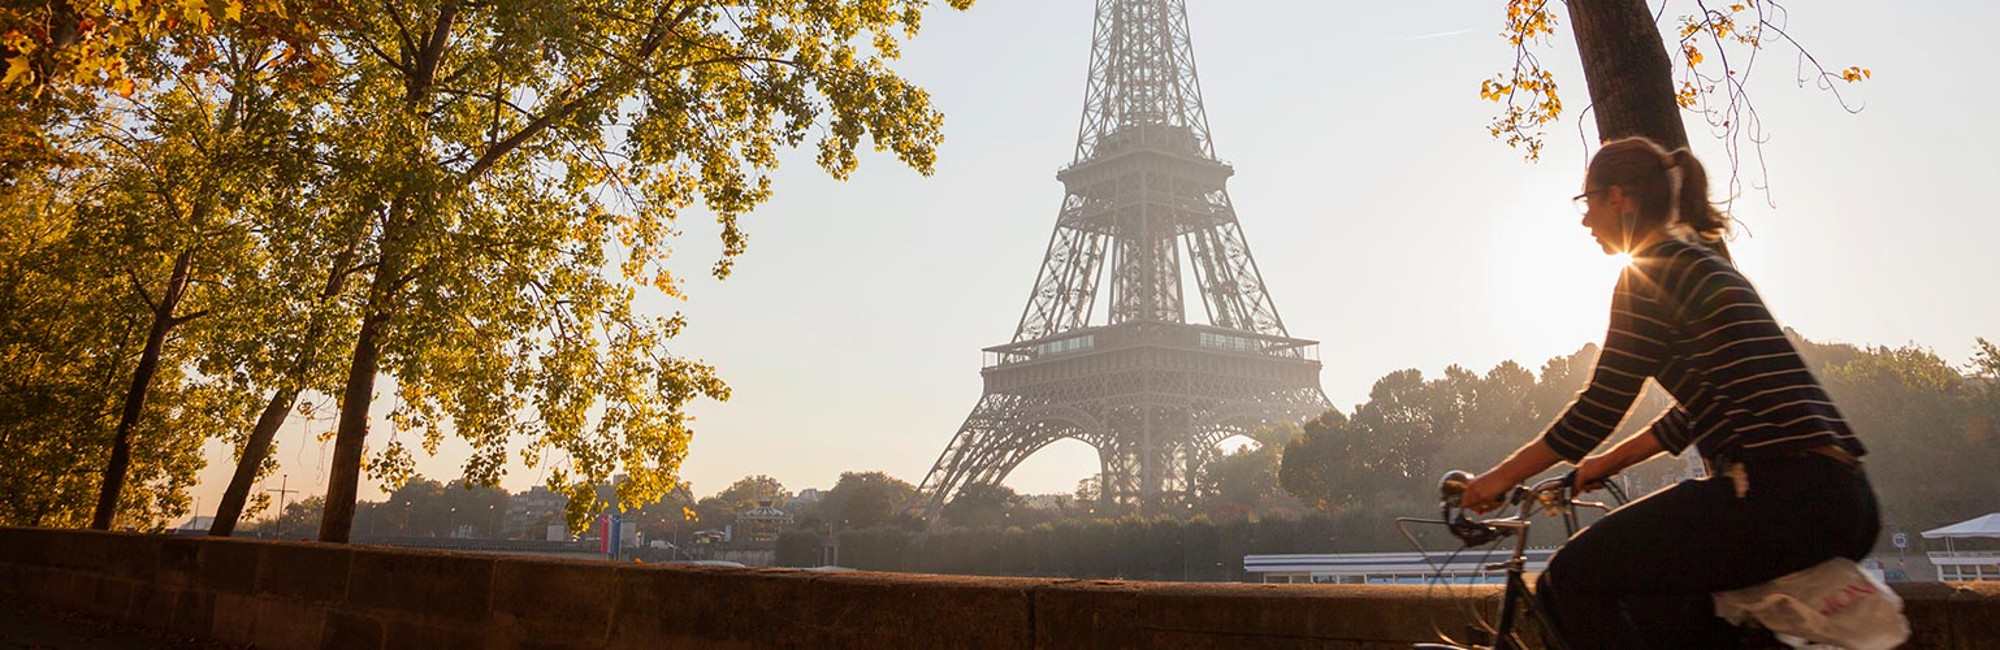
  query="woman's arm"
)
[
  {"x": 1634, "y": 350},
  {"x": 1483, "y": 493},
  {"x": 1637, "y": 449}
]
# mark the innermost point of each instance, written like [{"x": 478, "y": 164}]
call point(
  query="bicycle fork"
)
[{"x": 1511, "y": 604}]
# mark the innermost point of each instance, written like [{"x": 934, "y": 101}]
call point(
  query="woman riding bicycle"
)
[{"x": 1787, "y": 491}]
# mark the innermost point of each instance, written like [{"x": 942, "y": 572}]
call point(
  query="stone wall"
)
[{"x": 280, "y": 595}]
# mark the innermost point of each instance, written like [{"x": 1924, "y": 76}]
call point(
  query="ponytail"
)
[{"x": 1710, "y": 225}]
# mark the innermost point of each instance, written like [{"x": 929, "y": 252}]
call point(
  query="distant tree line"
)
[
  {"x": 1933, "y": 431},
  {"x": 1335, "y": 485}
]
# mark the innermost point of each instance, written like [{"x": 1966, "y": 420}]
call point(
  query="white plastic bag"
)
[{"x": 1835, "y": 603}]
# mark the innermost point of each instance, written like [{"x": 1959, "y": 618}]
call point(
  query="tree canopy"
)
[{"x": 224, "y": 213}]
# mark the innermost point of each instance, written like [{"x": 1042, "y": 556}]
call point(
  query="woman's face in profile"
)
[{"x": 1604, "y": 206}]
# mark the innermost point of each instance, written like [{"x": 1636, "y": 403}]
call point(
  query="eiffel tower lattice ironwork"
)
[{"x": 1154, "y": 393}]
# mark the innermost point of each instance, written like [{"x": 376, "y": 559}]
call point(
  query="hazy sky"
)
[{"x": 1388, "y": 225}]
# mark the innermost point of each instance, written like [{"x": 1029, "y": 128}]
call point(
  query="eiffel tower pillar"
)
[{"x": 1106, "y": 352}]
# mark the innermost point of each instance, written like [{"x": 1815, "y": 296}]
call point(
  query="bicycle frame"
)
[{"x": 1553, "y": 495}]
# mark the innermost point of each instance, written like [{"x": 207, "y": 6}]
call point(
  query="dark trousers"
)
[{"x": 1641, "y": 577}]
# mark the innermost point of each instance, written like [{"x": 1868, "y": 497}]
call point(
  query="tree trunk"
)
[
  {"x": 344, "y": 478},
  {"x": 135, "y": 397},
  {"x": 259, "y": 445},
  {"x": 1626, "y": 66},
  {"x": 254, "y": 451}
]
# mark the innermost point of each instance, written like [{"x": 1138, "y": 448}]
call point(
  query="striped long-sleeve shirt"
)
[{"x": 1686, "y": 318}]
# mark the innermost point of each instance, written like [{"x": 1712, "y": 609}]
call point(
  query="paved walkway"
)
[{"x": 26, "y": 625}]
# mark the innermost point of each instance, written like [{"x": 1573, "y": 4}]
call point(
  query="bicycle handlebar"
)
[{"x": 1556, "y": 495}]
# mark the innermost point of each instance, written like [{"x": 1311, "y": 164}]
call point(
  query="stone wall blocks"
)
[
  {"x": 26, "y": 581},
  {"x": 107, "y": 596},
  {"x": 291, "y": 595},
  {"x": 1925, "y": 606},
  {"x": 556, "y": 601},
  {"x": 228, "y": 566},
  {"x": 235, "y": 618},
  {"x": 875, "y": 609},
  {"x": 179, "y": 561},
  {"x": 309, "y": 572},
  {"x": 32, "y": 546},
  {"x": 449, "y": 586},
  {"x": 1087, "y": 614},
  {"x": 426, "y": 635},
  {"x": 287, "y": 624},
  {"x": 194, "y": 614},
  {"x": 1393, "y": 613},
  {"x": 92, "y": 552},
  {"x": 132, "y": 556},
  {"x": 722, "y": 606},
  {"x": 1974, "y": 616},
  {"x": 347, "y": 630},
  {"x": 152, "y": 605},
  {"x": 69, "y": 588}
]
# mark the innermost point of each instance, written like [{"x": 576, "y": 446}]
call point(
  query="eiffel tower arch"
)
[{"x": 1105, "y": 352}]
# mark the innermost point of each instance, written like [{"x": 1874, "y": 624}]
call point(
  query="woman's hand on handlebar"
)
[
  {"x": 1483, "y": 493},
  {"x": 1591, "y": 474},
  {"x": 1487, "y": 491}
]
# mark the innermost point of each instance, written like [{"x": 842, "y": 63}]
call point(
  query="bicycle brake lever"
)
[{"x": 1590, "y": 504}]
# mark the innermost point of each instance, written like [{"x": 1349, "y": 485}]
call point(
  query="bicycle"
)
[{"x": 1556, "y": 496}]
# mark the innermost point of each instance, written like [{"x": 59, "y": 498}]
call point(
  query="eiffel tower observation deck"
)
[{"x": 1106, "y": 352}]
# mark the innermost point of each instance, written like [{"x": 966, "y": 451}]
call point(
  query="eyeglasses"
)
[{"x": 1582, "y": 201}]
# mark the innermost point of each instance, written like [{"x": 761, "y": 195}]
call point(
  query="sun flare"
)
[{"x": 1621, "y": 260}]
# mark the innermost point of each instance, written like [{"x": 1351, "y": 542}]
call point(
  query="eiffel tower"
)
[{"x": 1154, "y": 393}]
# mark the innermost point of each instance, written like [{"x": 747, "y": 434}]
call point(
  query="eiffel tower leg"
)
[
  {"x": 1001, "y": 431},
  {"x": 1181, "y": 461},
  {"x": 1149, "y": 464},
  {"x": 958, "y": 461},
  {"x": 1119, "y": 484},
  {"x": 1145, "y": 456}
]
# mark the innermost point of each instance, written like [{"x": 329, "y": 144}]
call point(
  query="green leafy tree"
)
[
  {"x": 1929, "y": 429},
  {"x": 64, "y": 337},
  {"x": 719, "y": 510},
  {"x": 1322, "y": 463},
  {"x": 185, "y": 218},
  {"x": 866, "y": 500},
  {"x": 749, "y": 491},
  {"x": 517, "y": 149},
  {"x": 423, "y": 507},
  {"x": 62, "y": 60},
  {"x": 1245, "y": 483},
  {"x": 296, "y": 521},
  {"x": 1090, "y": 491},
  {"x": 670, "y": 518},
  {"x": 982, "y": 505},
  {"x": 152, "y": 245},
  {"x": 1384, "y": 461},
  {"x": 798, "y": 548}
]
